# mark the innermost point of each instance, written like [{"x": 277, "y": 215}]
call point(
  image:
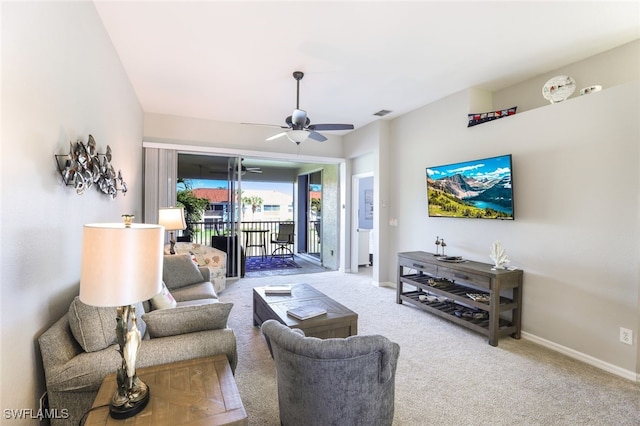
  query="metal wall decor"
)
[{"x": 83, "y": 166}]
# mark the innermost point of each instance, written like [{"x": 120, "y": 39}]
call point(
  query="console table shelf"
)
[{"x": 451, "y": 283}]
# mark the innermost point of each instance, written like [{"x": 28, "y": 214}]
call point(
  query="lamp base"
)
[
  {"x": 130, "y": 409},
  {"x": 172, "y": 249}
]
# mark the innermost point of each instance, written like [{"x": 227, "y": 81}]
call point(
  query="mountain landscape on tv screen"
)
[{"x": 487, "y": 196}]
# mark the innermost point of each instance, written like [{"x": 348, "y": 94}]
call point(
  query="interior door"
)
[{"x": 362, "y": 247}]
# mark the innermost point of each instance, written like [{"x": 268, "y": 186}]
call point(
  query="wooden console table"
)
[
  {"x": 451, "y": 283},
  {"x": 200, "y": 391}
]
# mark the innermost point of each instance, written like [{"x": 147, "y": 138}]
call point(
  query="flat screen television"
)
[{"x": 471, "y": 189}]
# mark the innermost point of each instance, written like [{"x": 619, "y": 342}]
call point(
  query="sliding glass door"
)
[
  {"x": 310, "y": 214},
  {"x": 218, "y": 180}
]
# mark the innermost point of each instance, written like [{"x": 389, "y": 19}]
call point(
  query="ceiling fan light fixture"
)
[{"x": 297, "y": 136}]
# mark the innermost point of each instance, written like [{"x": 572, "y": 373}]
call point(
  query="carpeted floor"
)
[{"x": 447, "y": 375}]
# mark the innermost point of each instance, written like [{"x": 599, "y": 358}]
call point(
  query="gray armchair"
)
[{"x": 334, "y": 381}]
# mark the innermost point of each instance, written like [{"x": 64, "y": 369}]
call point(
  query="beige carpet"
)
[{"x": 447, "y": 375}]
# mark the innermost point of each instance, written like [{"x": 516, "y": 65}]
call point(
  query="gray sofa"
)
[
  {"x": 333, "y": 381},
  {"x": 79, "y": 350}
]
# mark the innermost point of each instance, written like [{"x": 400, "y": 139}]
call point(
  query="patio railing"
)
[{"x": 203, "y": 231}]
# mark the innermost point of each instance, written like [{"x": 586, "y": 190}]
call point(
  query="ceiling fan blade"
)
[
  {"x": 277, "y": 135},
  {"x": 316, "y": 136},
  {"x": 266, "y": 125},
  {"x": 331, "y": 127}
]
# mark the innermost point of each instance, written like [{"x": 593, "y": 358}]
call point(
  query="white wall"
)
[
  {"x": 576, "y": 232},
  {"x": 608, "y": 69},
  {"x": 61, "y": 81},
  {"x": 374, "y": 140}
]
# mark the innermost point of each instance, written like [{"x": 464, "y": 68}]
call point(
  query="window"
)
[{"x": 271, "y": 208}]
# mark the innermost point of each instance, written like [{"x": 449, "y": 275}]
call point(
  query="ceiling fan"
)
[
  {"x": 299, "y": 127},
  {"x": 244, "y": 169}
]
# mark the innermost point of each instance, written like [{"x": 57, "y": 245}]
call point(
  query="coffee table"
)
[
  {"x": 201, "y": 391},
  {"x": 339, "y": 321}
]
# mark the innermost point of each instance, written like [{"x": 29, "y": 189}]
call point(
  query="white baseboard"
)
[
  {"x": 588, "y": 359},
  {"x": 383, "y": 284}
]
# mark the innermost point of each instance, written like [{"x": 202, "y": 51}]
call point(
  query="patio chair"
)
[{"x": 283, "y": 239}]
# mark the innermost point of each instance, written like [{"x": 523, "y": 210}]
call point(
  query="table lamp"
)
[
  {"x": 172, "y": 218},
  {"x": 121, "y": 266}
]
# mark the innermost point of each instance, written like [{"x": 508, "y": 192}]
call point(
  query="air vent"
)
[{"x": 382, "y": 112}]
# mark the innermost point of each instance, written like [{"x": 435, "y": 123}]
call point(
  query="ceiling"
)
[
  {"x": 214, "y": 167},
  {"x": 232, "y": 61}
]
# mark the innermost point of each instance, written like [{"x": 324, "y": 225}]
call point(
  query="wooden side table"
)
[{"x": 196, "y": 392}]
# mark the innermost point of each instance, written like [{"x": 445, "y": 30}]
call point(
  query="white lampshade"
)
[
  {"x": 172, "y": 218},
  {"x": 297, "y": 136},
  {"x": 120, "y": 265}
]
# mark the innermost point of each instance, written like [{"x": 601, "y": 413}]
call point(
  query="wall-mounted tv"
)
[{"x": 471, "y": 189}]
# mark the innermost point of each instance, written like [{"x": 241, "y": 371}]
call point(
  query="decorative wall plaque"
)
[{"x": 83, "y": 167}]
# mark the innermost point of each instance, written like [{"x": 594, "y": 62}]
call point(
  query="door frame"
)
[
  {"x": 341, "y": 162},
  {"x": 355, "y": 203}
]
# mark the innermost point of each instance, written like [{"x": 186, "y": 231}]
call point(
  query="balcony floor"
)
[{"x": 306, "y": 267}]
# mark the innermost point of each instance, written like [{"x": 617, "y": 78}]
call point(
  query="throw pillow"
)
[
  {"x": 94, "y": 328},
  {"x": 187, "y": 319},
  {"x": 178, "y": 271},
  {"x": 164, "y": 299}
]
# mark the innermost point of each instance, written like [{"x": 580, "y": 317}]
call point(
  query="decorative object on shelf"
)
[
  {"x": 83, "y": 166},
  {"x": 437, "y": 244},
  {"x": 478, "y": 297},
  {"x": 499, "y": 256},
  {"x": 121, "y": 266},
  {"x": 438, "y": 282},
  {"x": 558, "y": 88},
  {"x": 443, "y": 245},
  {"x": 430, "y": 298},
  {"x": 172, "y": 218},
  {"x": 472, "y": 314},
  {"x": 451, "y": 259},
  {"x": 590, "y": 89},
  {"x": 482, "y": 117}
]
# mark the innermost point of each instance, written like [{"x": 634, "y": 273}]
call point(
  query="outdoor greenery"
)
[
  {"x": 253, "y": 201},
  {"x": 194, "y": 207}
]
